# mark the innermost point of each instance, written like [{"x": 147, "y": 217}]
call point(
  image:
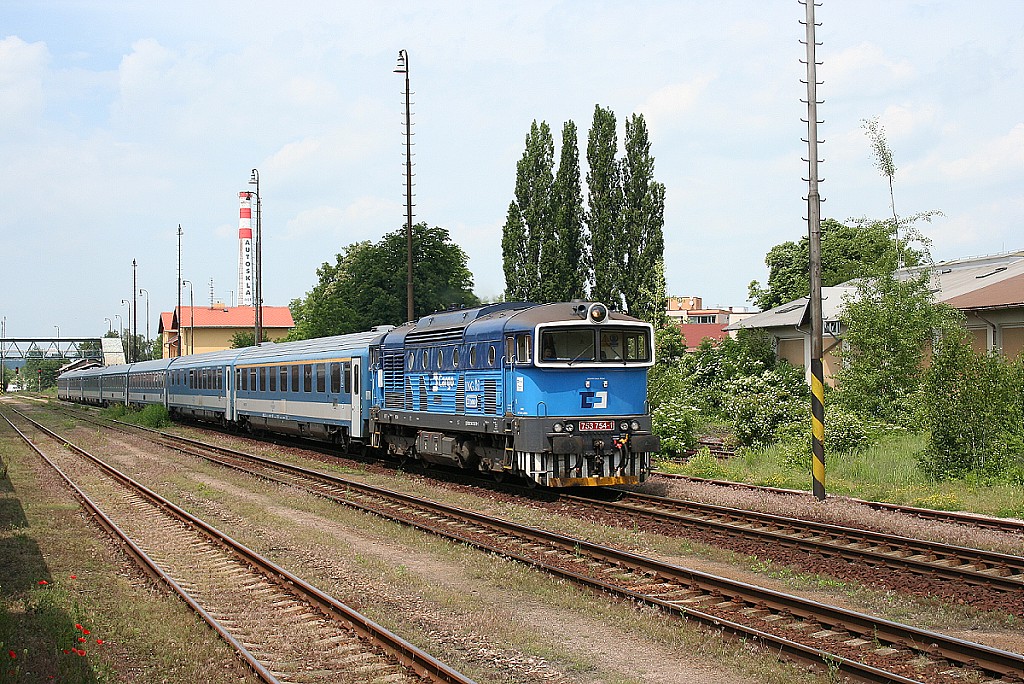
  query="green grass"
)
[{"x": 885, "y": 471}]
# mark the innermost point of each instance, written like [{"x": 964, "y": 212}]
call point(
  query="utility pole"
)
[
  {"x": 814, "y": 234},
  {"x": 403, "y": 68},
  {"x": 178, "y": 311},
  {"x": 135, "y": 311}
]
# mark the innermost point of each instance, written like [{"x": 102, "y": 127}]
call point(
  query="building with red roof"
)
[{"x": 192, "y": 330}]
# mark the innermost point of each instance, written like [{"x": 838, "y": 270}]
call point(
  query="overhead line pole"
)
[{"x": 814, "y": 234}]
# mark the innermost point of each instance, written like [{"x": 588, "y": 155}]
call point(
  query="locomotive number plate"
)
[{"x": 596, "y": 425}]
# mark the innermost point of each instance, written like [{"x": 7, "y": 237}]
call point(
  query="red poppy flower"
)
[
  {"x": 43, "y": 582},
  {"x": 78, "y": 626},
  {"x": 99, "y": 641},
  {"x": 12, "y": 654},
  {"x": 74, "y": 576},
  {"x": 85, "y": 631},
  {"x": 81, "y": 652},
  {"x": 67, "y": 651},
  {"x": 81, "y": 640}
]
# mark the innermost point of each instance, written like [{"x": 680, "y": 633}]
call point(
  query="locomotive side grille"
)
[
  {"x": 408, "y": 394},
  {"x": 435, "y": 336},
  {"x": 423, "y": 395},
  {"x": 460, "y": 395},
  {"x": 490, "y": 396},
  {"x": 394, "y": 374}
]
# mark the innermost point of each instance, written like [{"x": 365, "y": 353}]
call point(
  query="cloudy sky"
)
[{"x": 121, "y": 120}]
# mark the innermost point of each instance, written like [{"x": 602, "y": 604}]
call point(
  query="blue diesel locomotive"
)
[{"x": 555, "y": 393}]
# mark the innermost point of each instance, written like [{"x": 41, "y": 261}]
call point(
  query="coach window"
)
[
  {"x": 335, "y": 378},
  {"x": 295, "y": 377},
  {"x": 348, "y": 376},
  {"x": 273, "y": 378},
  {"x": 253, "y": 387},
  {"x": 307, "y": 377},
  {"x": 510, "y": 344},
  {"x": 191, "y": 379},
  {"x": 262, "y": 380},
  {"x": 321, "y": 378}
]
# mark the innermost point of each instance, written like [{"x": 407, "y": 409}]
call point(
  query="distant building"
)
[
  {"x": 194, "y": 330},
  {"x": 989, "y": 290},
  {"x": 698, "y": 323}
]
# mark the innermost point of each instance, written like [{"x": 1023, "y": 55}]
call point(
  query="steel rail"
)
[
  {"x": 145, "y": 562},
  {"x": 1001, "y": 571},
  {"x": 450, "y": 522},
  {"x": 988, "y": 522},
  {"x": 403, "y": 651}
]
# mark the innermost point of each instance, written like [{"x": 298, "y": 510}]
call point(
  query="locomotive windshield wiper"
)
[{"x": 577, "y": 357}]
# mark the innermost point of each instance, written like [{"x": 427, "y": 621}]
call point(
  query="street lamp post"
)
[
  {"x": 110, "y": 324},
  {"x": 128, "y": 346},
  {"x": 403, "y": 68},
  {"x": 192, "y": 318},
  {"x": 143, "y": 290},
  {"x": 254, "y": 179}
]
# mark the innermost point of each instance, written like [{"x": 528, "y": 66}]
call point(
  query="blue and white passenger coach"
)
[{"x": 556, "y": 393}]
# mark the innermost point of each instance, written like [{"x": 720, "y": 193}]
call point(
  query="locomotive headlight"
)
[
  {"x": 623, "y": 426},
  {"x": 597, "y": 313},
  {"x": 634, "y": 426},
  {"x": 569, "y": 427},
  {"x": 557, "y": 427}
]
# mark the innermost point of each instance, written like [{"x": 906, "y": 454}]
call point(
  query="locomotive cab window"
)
[
  {"x": 523, "y": 344},
  {"x": 571, "y": 345}
]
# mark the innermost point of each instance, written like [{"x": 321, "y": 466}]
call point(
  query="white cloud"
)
[
  {"x": 865, "y": 69},
  {"x": 360, "y": 220},
  {"x": 23, "y": 67},
  {"x": 990, "y": 159},
  {"x": 665, "y": 105}
]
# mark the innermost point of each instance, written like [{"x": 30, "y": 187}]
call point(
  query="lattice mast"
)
[{"x": 814, "y": 235}]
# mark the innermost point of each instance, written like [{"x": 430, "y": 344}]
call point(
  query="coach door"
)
[{"x": 357, "y": 399}]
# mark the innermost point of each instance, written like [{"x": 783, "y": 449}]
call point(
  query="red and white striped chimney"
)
[{"x": 245, "y": 256}]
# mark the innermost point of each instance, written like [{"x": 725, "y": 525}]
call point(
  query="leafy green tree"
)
[
  {"x": 890, "y": 325},
  {"x": 531, "y": 245},
  {"x": 642, "y": 217},
  {"x": 40, "y": 373},
  {"x": 863, "y": 249},
  {"x": 974, "y": 409},
  {"x": 246, "y": 338},
  {"x": 566, "y": 269},
  {"x": 365, "y": 286},
  {"x": 604, "y": 202}
]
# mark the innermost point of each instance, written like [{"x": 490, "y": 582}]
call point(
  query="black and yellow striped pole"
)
[{"x": 814, "y": 235}]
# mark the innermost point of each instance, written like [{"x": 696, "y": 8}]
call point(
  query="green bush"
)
[
  {"x": 675, "y": 423},
  {"x": 762, "y": 405},
  {"x": 703, "y": 464},
  {"x": 974, "y": 410},
  {"x": 845, "y": 431}
]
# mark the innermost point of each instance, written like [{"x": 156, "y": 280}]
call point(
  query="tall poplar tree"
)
[
  {"x": 642, "y": 220},
  {"x": 534, "y": 181},
  {"x": 604, "y": 198},
  {"x": 566, "y": 271}
]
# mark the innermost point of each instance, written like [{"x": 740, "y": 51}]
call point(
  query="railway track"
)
[
  {"x": 935, "y": 560},
  {"x": 968, "y": 519},
  {"x": 827, "y": 637},
  {"x": 286, "y": 629}
]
